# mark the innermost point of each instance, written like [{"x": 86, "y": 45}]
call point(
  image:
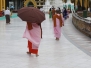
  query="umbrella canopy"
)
[{"x": 31, "y": 14}]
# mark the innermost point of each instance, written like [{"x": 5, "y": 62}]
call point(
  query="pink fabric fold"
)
[
  {"x": 57, "y": 29},
  {"x": 33, "y": 35}
]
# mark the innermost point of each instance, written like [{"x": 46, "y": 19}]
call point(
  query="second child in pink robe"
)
[{"x": 58, "y": 23}]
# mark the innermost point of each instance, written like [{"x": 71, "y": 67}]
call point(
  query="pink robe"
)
[
  {"x": 57, "y": 29},
  {"x": 33, "y": 35}
]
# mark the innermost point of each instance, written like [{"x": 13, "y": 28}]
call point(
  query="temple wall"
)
[{"x": 82, "y": 24}]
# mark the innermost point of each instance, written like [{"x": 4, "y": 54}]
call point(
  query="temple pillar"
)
[
  {"x": 0, "y": 5},
  {"x": 76, "y": 1},
  {"x": 88, "y": 3},
  {"x": 3, "y": 4},
  {"x": 81, "y": 2},
  {"x": 85, "y": 4}
]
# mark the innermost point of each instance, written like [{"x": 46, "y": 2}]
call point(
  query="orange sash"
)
[{"x": 58, "y": 17}]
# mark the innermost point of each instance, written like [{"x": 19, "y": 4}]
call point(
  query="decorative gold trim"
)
[{"x": 27, "y": 1}]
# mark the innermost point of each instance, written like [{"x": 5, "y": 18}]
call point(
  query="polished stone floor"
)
[{"x": 69, "y": 52}]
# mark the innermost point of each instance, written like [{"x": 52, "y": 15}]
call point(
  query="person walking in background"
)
[
  {"x": 33, "y": 33},
  {"x": 11, "y": 8},
  {"x": 65, "y": 13},
  {"x": 53, "y": 11},
  {"x": 61, "y": 14},
  {"x": 7, "y": 15},
  {"x": 59, "y": 10},
  {"x": 50, "y": 13},
  {"x": 58, "y": 23}
]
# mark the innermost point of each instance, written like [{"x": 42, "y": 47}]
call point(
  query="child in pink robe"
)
[
  {"x": 33, "y": 34},
  {"x": 58, "y": 23}
]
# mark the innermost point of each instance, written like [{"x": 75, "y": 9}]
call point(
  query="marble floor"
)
[{"x": 68, "y": 52}]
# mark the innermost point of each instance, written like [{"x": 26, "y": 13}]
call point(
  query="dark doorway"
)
[{"x": 30, "y": 4}]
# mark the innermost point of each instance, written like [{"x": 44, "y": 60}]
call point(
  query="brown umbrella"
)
[{"x": 31, "y": 14}]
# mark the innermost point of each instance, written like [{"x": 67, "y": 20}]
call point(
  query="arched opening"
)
[{"x": 30, "y": 4}]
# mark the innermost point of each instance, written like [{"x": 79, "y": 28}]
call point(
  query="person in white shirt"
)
[{"x": 7, "y": 15}]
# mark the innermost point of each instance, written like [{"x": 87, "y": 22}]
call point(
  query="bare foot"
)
[
  {"x": 28, "y": 53},
  {"x": 37, "y": 55},
  {"x": 57, "y": 38}
]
